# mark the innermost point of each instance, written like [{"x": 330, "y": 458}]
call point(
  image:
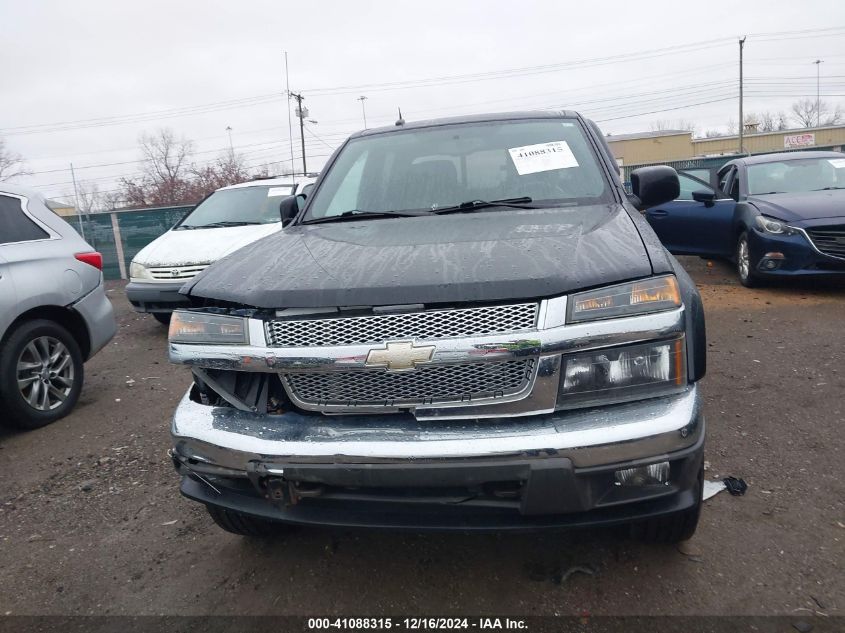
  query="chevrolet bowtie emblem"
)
[{"x": 400, "y": 356}]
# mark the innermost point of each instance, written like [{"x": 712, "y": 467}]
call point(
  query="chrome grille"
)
[
  {"x": 425, "y": 385},
  {"x": 425, "y": 325},
  {"x": 177, "y": 272},
  {"x": 830, "y": 240}
]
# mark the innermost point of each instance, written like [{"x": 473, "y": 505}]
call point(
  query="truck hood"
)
[
  {"x": 793, "y": 207},
  {"x": 481, "y": 256},
  {"x": 201, "y": 246}
]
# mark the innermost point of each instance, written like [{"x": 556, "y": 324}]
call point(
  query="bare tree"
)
[
  {"x": 11, "y": 163},
  {"x": 811, "y": 113},
  {"x": 228, "y": 169},
  {"x": 165, "y": 172},
  {"x": 714, "y": 133},
  {"x": 112, "y": 200},
  {"x": 89, "y": 197}
]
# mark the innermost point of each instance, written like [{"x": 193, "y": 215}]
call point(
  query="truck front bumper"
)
[{"x": 553, "y": 470}]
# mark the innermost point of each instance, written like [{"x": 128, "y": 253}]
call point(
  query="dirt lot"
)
[{"x": 91, "y": 521}]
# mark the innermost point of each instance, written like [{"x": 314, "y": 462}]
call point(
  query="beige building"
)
[
  {"x": 61, "y": 208},
  {"x": 676, "y": 145}
]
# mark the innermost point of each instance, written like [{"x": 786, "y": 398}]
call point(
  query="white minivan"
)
[{"x": 228, "y": 219}]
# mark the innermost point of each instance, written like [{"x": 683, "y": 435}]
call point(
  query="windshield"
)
[
  {"x": 244, "y": 205},
  {"x": 547, "y": 162},
  {"x": 796, "y": 175}
]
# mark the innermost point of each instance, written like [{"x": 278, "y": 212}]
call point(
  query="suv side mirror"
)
[
  {"x": 654, "y": 185},
  {"x": 705, "y": 196},
  {"x": 290, "y": 207}
]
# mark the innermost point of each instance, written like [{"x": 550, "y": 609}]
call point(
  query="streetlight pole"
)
[
  {"x": 362, "y": 98},
  {"x": 818, "y": 64},
  {"x": 741, "y": 120}
]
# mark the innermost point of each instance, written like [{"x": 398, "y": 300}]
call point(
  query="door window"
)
[
  {"x": 690, "y": 184},
  {"x": 15, "y": 226}
]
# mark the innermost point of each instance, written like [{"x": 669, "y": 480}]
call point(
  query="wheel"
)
[
  {"x": 743, "y": 262},
  {"x": 162, "y": 317},
  {"x": 41, "y": 374},
  {"x": 671, "y": 528},
  {"x": 243, "y": 524}
]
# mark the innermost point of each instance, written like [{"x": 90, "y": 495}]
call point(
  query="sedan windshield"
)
[
  {"x": 468, "y": 167},
  {"x": 237, "y": 207},
  {"x": 796, "y": 175}
]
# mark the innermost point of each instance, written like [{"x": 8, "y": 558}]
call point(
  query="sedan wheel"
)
[
  {"x": 743, "y": 262},
  {"x": 41, "y": 374}
]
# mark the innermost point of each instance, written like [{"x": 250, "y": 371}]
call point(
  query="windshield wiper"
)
[
  {"x": 828, "y": 188},
  {"x": 213, "y": 225},
  {"x": 475, "y": 205},
  {"x": 354, "y": 214}
]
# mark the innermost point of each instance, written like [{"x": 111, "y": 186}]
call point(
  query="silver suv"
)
[{"x": 54, "y": 314}]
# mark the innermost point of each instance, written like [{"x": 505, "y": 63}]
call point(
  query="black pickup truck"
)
[{"x": 468, "y": 324}]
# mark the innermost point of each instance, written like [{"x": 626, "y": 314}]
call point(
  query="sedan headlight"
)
[
  {"x": 203, "y": 327},
  {"x": 636, "y": 297},
  {"x": 623, "y": 373},
  {"x": 138, "y": 271},
  {"x": 772, "y": 226}
]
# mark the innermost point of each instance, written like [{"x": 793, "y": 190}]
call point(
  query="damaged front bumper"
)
[{"x": 549, "y": 470}]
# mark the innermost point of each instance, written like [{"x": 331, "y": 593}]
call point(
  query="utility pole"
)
[
  {"x": 290, "y": 125},
  {"x": 741, "y": 120},
  {"x": 76, "y": 197},
  {"x": 818, "y": 64},
  {"x": 231, "y": 147},
  {"x": 362, "y": 98},
  {"x": 301, "y": 113}
]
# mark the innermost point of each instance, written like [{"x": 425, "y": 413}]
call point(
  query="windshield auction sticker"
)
[
  {"x": 278, "y": 191},
  {"x": 542, "y": 157},
  {"x": 839, "y": 163}
]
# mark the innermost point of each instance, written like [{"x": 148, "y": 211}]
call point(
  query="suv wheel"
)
[
  {"x": 244, "y": 524},
  {"x": 41, "y": 374},
  {"x": 671, "y": 528},
  {"x": 743, "y": 262}
]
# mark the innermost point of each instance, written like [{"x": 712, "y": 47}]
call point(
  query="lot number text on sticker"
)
[{"x": 542, "y": 157}]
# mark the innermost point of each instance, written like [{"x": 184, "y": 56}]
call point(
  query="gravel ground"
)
[{"x": 91, "y": 521}]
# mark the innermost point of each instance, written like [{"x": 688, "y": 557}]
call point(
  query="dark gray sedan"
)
[{"x": 54, "y": 314}]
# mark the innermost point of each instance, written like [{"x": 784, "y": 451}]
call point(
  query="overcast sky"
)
[{"x": 81, "y": 80}]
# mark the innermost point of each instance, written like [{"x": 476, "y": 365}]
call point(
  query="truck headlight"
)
[
  {"x": 138, "y": 271},
  {"x": 635, "y": 297},
  {"x": 203, "y": 327},
  {"x": 772, "y": 226},
  {"x": 623, "y": 373}
]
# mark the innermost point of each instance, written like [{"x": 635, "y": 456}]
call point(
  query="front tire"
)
[
  {"x": 743, "y": 262},
  {"x": 244, "y": 524},
  {"x": 41, "y": 374},
  {"x": 162, "y": 317}
]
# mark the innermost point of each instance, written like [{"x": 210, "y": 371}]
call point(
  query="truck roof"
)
[{"x": 470, "y": 118}]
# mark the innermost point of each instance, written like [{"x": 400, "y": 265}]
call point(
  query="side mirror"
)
[
  {"x": 654, "y": 185},
  {"x": 290, "y": 207},
  {"x": 705, "y": 196}
]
